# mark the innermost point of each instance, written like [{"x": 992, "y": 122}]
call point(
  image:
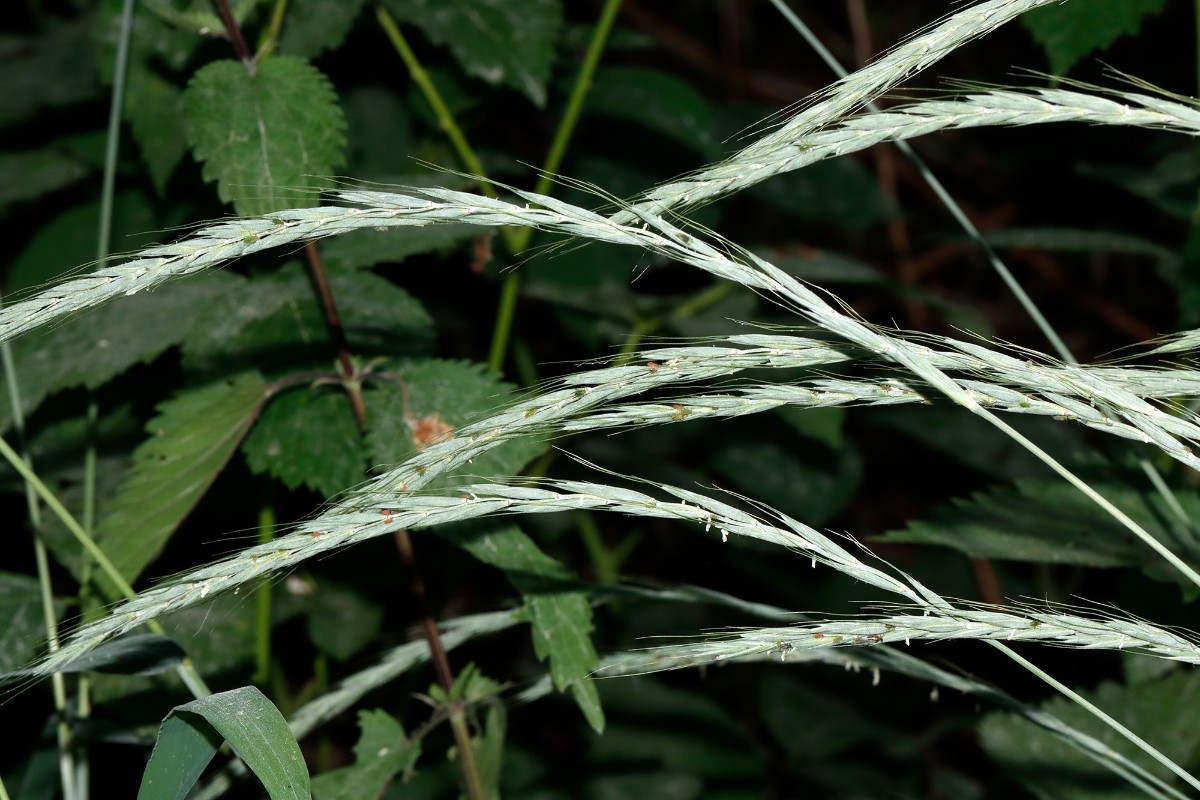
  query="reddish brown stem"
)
[
  {"x": 333, "y": 320},
  {"x": 235, "y": 35},
  {"x": 441, "y": 664}
]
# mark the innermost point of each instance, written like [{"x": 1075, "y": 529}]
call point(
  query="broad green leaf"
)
[
  {"x": 30, "y": 174},
  {"x": 341, "y": 620},
  {"x": 657, "y": 101},
  {"x": 264, "y": 137},
  {"x": 489, "y": 749},
  {"x": 503, "y": 43},
  {"x": 1050, "y": 522},
  {"x": 97, "y": 346},
  {"x": 308, "y": 437},
  {"x": 1069, "y": 32},
  {"x": 559, "y": 611},
  {"x": 199, "y": 16},
  {"x": 24, "y": 628},
  {"x": 383, "y": 751},
  {"x": 809, "y": 483},
  {"x": 192, "y": 437},
  {"x": 1160, "y": 711},
  {"x": 824, "y": 425},
  {"x": 442, "y": 397},
  {"x": 275, "y": 322},
  {"x": 157, "y": 51},
  {"x": 313, "y": 26},
  {"x": 191, "y": 734}
]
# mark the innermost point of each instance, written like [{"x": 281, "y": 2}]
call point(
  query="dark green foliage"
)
[
  {"x": 264, "y": 137},
  {"x": 220, "y": 407}
]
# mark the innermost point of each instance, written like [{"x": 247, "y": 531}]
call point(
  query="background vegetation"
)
[{"x": 247, "y": 417}]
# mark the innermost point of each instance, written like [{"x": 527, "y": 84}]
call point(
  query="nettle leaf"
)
[
  {"x": 98, "y": 346},
  {"x": 1069, "y": 32},
  {"x": 442, "y": 397},
  {"x": 308, "y": 437},
  {"x": 1160, "y": 711},
  {"x": 658, "y": 101},
  {"x": 313, "y": 26},
  {"x": 265, "y": 136},
  {"x": 192, "y": 437},
  {"x": 1051, "y": 522},
  {"x": 558, "y": 608},
  {"x": 275, "y": 320},
  {"x": 501, "y": 42},
  {"x": 383, "y": 751},
  {"x": 192, "y": 733}
]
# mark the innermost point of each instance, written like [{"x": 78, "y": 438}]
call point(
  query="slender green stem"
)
[
  {"x": 270, "y": 37},
  {"x": 602, "y": 562},
  {"x": 570, "y": 116},
  {"x": 689, "y": 308},
  {"x": 506, "y": 311},
  {"x": 434, "y": 98},
  {"x": 517, "y": 243},
  {"x": 262, "y": 626},
  {"x": 1098, "y": 713}
]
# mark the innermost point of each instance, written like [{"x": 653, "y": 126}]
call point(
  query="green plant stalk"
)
[
  {"x": 689, "y": 308},
  {"x": 511, "y": 289},
  {"x": 187, "y": 671},
  {"x": 1067, "y": 691},
  {"x": 445, "y": 119},
  {"x": 262, "y": 600},
  {"x": 270, "y": 37},
  {"x": 66, "y": 761},
  {"x": 602, "y": 562}
]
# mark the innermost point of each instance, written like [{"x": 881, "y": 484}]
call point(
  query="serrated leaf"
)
[
  {"x": 24, "y": 628},
  {"x": 559, "y": 611},
  {"x": 452, "y": 393},
  {"x": 308, "y": 437},
  {"x": 1160, "y": 711},
  {"x": 313, "y": 26},
  {"x": 275, "y": 321},
  {"x": 191, "y": 734},
  {"x": 31, "y": 174},
  {"x": 342, "y": 621},
  {"x": 657, "y": 101},
  {"x": 1050, "y": 522},
  {"x": 1069, "y": 32},
  {"x": 190, "y": 440},
  {"x": 96, "y": 347},
  {"x": 264, "y": 137},
  {"x": 383, "y": 751},
  {"x": 503, "y": 43}
]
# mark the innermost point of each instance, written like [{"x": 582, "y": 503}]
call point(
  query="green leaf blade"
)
[
  {"x": 190, "y": 440},
  {"x": 1070, "y": 32},
  {"x": 253, "y": 727},
  {"x": 264, "y": 138}
]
